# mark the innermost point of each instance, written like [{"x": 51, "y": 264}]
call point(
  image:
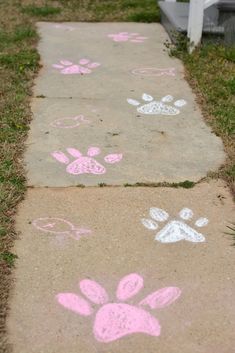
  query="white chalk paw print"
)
[
  {"x": 85, "y": 164},
  {"x": 116, "y": 320},
  {"x": 84, "y": 67},
  {"x": 174, "y": 230},
  {"x": 158, "y": 107}
]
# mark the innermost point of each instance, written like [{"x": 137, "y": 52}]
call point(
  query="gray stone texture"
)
[
  {"x": 201, "y": 320},
  {"x": 155, "y": 148}
]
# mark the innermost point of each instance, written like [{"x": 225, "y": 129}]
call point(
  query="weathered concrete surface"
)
[
  {"x": 155, "y": 148},
  {"x": 53, "y": 259},
  {"x": 200, "y": 321},
  {"x": 113, "y": 79}
]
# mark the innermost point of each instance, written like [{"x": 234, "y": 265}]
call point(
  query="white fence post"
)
[
  {"x": 208, "y": 3},
  {"x": 195, "y": 22}
]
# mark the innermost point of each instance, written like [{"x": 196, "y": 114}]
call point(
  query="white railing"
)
[
  {"x": 195, "y": 20},
  {"x": 208, "y": 3}
]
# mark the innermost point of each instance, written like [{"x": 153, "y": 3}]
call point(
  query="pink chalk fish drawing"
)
[
  {"x": 85, "y": 164},
  {"x": 70, "y": 122},
  {"x": 84, "y": 67},
  {"x": 116, "y": 320},
  {"x": 152, "y": 71},
  {"x": 127, "y": 37},
  {"x": 59, "y": 226}
]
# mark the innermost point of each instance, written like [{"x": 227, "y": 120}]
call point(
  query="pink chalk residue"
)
[
  {"x": 93, "y": 291},
  {"x": 70, "y": 122},
  {"x": 127, "y": 37},
  {"x": 84, "y": 67},
  {"x": 113, "y": 158},
  {"x": 63, "y": 26},
  {"x": 116, "y": 320},
  {"x": 59, "y": 226},
  {"x": 129, "y": 286},
  {"x": 75, "y": 303},
  {"x": 93, "y": 151},
  {"x": 153, "y": 71},
  {"x": 161, "y": 298},
  {"x": 85, "y": 164}
]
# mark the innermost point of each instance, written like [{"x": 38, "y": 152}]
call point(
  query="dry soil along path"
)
[
  {"x": 120, "y": 269},
  {"x": 116, "y": 110}
]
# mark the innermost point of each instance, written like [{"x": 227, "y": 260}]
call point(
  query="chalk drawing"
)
[
  {"x": 70, "y": 122},
  {"x": 85, "y": 164},
  {"x": 116, "y": 320},
  {"x": 158, "y": 107},
  {"x": 68, "y": 68},
  {"x": 127, "y": 37},
  {"x": 174, "y": 230},
  {"x": 66, "y": 27},
  {"x": 153, "y": 71},
  {"x": 60, "y": 227}
]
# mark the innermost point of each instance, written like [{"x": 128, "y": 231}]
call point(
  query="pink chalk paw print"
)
[
  {"x": 127, "y": 37},
  {"x": 85, "y": 164},
  {"x": 68, "y": 68},
  {"x": 115, "y": 320}
]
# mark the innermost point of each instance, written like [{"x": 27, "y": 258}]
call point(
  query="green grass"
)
[
  {"x": 231, "y": 230},
  {"x": 33, "y": 10},
  {"x": 20, "y": 34},
  {"x": 211, "y": 73},
  {"x": 101, "y": 185},
  {"x": 144, "y": 16},
  {"x": 109, "y": 10},
  {"x": 187, "y": 184},
  {"x": 21, "y": 61},
  {"x": 9, "y": 258}
]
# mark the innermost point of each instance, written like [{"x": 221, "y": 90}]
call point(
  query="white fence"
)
[{"x": 195, "y": 21}]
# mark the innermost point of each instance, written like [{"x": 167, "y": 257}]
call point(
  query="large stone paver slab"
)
[
  {"x": 51, "y": 264},
  {"x": 114, "y": 77},
  {"x": 153, "y": 150},
  {"x": 157, "y": 141}
]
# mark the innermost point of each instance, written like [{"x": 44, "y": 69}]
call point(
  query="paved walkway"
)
[{"x": 120, "y": 269}]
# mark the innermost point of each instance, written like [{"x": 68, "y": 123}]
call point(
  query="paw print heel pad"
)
[{"x": 116, "y": 320}]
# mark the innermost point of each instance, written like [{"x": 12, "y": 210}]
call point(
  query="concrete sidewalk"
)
[
  {"x": 54, "y": 260},
  {"x": 160, "y": 142},
  {"x": 120, "y": 269}
]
